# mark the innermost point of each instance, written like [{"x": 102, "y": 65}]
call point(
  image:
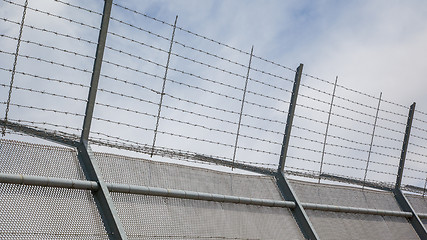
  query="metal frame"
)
[
  {"x": 405, "y": 146},
  {"x": 290, "y": 118},
  {"x": 90, "y": 168},
  {"x": 185, "y": 194},
  {"x": 298, "y": 212},
  {"x": 403, "y": 202}
]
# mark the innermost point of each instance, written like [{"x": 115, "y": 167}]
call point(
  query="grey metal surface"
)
[
  {"x": 41, "y": 160},
  {"x": 31, "y": 212},
  {"x": 175, "y": 193},
  {"x": 102, "y": 196},
  {"x": 127, "y": 170},
  {"x": 149, "y": 217},
  {"x": 344, "y": 196},
  {"x": 48, "y": 181},
  {"x": 102, "y": 38},
  {"x": 334, "y": 208},
  {"x": 419, "y": 203},
  {"x": 338, "y": 225},
  {"x": 405, "y": 146},
  {"x": 405, "y": 205},
  {"x": 298, "y": 212},
  {"x": 291, "y": 111}
]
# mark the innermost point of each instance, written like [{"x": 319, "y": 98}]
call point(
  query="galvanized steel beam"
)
[
  {"x": 290, "y": 118},
  {"x": 298, "y": 212},
  {"x": 174, "y": 193},
  {"x": 102, "y": 196},
  {"x": 48, "y": 181},
  {"x": 405, "y": 146},
  {"x": 184, "y": 194},
  {"x": 102, "y": 38},
  {"x": 370, "y": 211},
  {"x": 415, "y": 221}
]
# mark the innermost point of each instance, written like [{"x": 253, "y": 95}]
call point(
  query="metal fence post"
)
[
  {"x": 290, "y": 119},
  {"x": 90, "y": 167},
  {"x": 298, "y": 212},
  {"x": 405, "y": 146},
  {"x": 96, "y": 70},
  {"x": 403, "y": 202}
]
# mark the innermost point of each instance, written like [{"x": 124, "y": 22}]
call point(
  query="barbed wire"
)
[
  {"x": 46, "y": 78},
  {"x": 205, "y": 38},
  {"x": 35, "y": 123},
  {"x": 44, "y": 92},
  {"x": 48, "y": 61},
  {"x": 54, "y": 15},
  {"x": 417, "y": 161},
  {"x": 188, "y": 123},
  {"x": 51, "y": 32},
  {"x": 50, "y": 47},
  {"x": 45, "y": 109},
  {"x": 79, "y": 7}
]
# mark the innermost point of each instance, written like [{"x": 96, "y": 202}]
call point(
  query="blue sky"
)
[{"x": 372, "y": 46}]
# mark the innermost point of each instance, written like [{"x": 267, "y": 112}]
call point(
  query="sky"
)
[{"x": 370, "y": 46}]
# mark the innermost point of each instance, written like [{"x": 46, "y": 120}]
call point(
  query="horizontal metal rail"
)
[
  {"x": 48, "y": 181},
  {"x": 371, "y": 211},
  {"x": 174, "y": 193},
  {"x": 134, "y": 189},
  {"x": 163, "y": 192}
]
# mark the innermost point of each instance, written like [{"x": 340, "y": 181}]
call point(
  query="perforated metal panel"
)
[
  {"x": 338, "y": 225},
  {"x": 419, "y": 203},
  {"x": 119, "y": 169},
  {"x": 147, "y": 217},
  {"x": 30, "y": 212},
  {"x": 344, "y": 196},
  {"x": 34, "y": 159}
]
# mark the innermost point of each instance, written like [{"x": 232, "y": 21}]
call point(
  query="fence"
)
[{"x": 168, "y": 92}]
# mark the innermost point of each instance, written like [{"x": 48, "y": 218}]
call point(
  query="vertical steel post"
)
[
  {"x": 298, "y": 212},
  {"x": 403, "y": 202},
  {"x": 96, "y": 70},
  {"x": 102, "y": 196},
  {"x": 327, "y": 128},
  {"x": 90, "y": 167},
  {"x": 163, "y": 88},
  {"x": 405, "y": 146},
  {"x": 243, "y": 103},
  {"x": 372, "y": 141},
  {"x": 290, "y": 119}
]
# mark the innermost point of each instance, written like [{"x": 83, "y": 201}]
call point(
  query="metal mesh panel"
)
[
  {"x": 30, "y": 212},
  {"x": 34, "y": 159},
  {"x": 120, "y": 169},
  {"x": 148, "y": 217},
  {"x": 419, "y": 203},
  {"x": 337, "y": 225},
  {"x": 344, "y": 196}
]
